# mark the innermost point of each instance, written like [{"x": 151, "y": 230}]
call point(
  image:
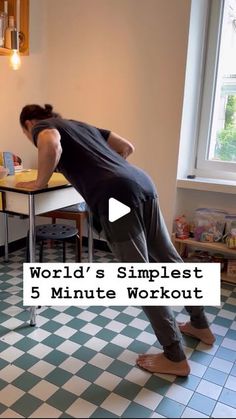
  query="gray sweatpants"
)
[{"x": 142, "y": 236}]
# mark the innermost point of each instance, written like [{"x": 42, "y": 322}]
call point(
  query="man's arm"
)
[
  {"x": 120, "y": 145},
  {"x": 49, "y": 153}
]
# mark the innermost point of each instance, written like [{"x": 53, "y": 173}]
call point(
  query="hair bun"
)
[{"x": 48, "y": 107}]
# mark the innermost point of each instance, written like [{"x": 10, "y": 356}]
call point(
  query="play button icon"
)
[{"x": 116, "y": 209}]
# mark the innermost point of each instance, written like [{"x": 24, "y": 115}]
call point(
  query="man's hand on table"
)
[{"x": 31, "y": 185}]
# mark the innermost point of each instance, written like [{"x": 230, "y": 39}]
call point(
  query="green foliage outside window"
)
[{"x": 226, "y": 138}]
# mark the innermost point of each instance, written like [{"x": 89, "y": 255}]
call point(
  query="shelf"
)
[
  {"x": 215, "y": 247},
  {"x": 211, "y": 247},
  {"x": 5, "y": 51},
  {"x": 208, "y": 185},
  {"x": 24, "y": 25}
]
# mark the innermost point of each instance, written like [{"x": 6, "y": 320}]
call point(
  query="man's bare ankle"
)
[{"x": 205, "y": 335}]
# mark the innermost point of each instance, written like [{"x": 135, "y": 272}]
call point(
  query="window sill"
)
[{"x": 208, "y": 184}]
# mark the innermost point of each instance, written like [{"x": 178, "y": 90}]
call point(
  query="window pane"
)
[{"x": 222, "y": 146}]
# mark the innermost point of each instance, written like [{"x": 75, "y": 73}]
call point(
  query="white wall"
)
[
  {"x": 18, "y": 88},
  {"x": 188, "y": 200},
  {"x": 23, "y": 86},
  {"x": 118, "y": 64}
]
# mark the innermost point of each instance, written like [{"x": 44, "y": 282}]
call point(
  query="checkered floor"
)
[{"x": 80, "y": 362}]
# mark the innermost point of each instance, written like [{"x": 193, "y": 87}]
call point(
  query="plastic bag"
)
[{"x": 209, "y": 224}]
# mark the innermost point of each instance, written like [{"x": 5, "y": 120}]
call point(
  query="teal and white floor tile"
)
[{"x": 80, "y": 361}]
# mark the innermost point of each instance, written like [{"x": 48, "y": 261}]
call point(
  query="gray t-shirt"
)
[{"x": 94, "y": 169}]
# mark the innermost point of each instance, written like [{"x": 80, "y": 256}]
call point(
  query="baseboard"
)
[
  {"x": 19, "y": 244},
  {"x": 14, "y": 246}
]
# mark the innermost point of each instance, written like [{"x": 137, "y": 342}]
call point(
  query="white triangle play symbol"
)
[{"x": 116, "y": 210}]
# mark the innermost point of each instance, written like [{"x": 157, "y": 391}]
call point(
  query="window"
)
[{"x": 216, "y": 151}]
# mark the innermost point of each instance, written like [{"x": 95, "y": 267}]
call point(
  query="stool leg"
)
[
  {"x": 78, "y": 248},
  {"x": 54, "y": 221},
  {"x": 79, "y": 226},
  {"x": 90, "y": 236},
  {"x": 64, "y": 251},
  {"x": 41, "y": 251}
]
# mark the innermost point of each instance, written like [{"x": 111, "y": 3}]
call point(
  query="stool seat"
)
[
  {"x": 78, "y": 213},
  {"x": 55, "y": 232},
  {"x": 60, "y": 232}
]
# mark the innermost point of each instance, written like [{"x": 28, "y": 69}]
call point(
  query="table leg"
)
[
  {"x": 32, "y": 238},
  {"x": 6, "y": 237},
  {"x": 32, "y": 242},
  {"x": 90, "y": 236}
]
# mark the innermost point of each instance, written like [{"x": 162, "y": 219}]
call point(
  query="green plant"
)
[
  {"x": 226, "y": 138},
  {"x": 230, "y": 111}
]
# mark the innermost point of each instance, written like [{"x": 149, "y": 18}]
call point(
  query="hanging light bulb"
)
[{"x": 15, "y": 61}]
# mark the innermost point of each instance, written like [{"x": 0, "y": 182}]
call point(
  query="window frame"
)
[{"x": 203, "y": 166}]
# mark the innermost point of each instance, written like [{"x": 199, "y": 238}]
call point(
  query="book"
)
[
  {"x": 1, "y": 159},
  {"x": 9, "y": 162}
]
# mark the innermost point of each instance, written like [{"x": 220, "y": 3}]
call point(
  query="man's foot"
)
[
  {"x": 205, "y": 335},
  {"x": 160, "y": 364}
]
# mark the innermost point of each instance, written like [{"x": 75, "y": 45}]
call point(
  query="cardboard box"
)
[{"x": 231, "y": 267}]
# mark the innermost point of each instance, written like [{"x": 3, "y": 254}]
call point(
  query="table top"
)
[{"x": 57, "y": 181}]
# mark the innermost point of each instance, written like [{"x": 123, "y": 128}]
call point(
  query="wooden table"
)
[{"x": 58, "y": 194}]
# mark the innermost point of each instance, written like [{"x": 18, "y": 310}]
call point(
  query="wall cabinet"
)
[{"x": 24, "y": 24}]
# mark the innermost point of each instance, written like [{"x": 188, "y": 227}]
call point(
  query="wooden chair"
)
[{"x": 78, "y": 213}]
